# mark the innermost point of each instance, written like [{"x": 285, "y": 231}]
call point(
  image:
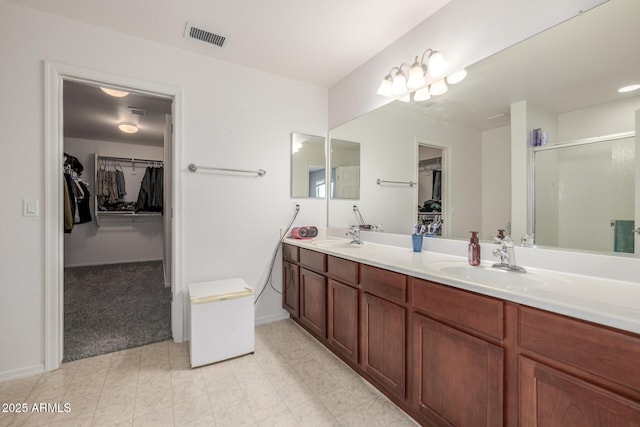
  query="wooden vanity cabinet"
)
[
  {"x": 290, "y": 280},
  {"x": 313, "y": 302},
  {"x": 576, "y": 373},
  {"x": 457, "y": 374},
  {"x": 384, "y": 328},
  {"x": 343, "y": 308},
  {"x": 448, "y": 356},
  {"x": 313, "y": 292}
]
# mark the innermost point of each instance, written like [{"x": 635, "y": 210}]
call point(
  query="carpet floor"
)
[{"x": 113, "y": 307}]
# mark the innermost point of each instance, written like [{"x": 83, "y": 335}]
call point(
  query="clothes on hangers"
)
[
  {"x": 76, "y": 197},
  {"x": 110, "y": 183},
  {"x": 151, "y": 194}
]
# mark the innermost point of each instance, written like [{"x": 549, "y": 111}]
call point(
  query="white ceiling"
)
[
  {"x": 315, "y": 41},
  {"x": 89, "y": 113},
  {"x": 318, "y": 42}
]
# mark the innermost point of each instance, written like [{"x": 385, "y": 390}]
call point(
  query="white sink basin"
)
[
  {"x": 489, "y": 275},
  {"x": 335, "y": 244}
]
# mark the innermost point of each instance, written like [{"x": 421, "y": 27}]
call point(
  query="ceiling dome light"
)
[
  {"x": 114, "y": 92},
  {"x": 437, "y": 65},
  {"x": 422, "y": 94},
  {"x": 457, "y": 77},
  {"x": 629, "y": 88},
  {"x": 438, "y": 88},
  {"x": 128, "y": 127}
]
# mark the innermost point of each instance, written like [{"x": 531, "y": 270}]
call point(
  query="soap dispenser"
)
[{"x": 474, "y": 249}]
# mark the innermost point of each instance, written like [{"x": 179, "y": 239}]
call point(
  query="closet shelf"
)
[{"x": 128, "y": 213}]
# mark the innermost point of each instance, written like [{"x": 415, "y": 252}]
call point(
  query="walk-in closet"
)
[{"x": 117, "y": 207}]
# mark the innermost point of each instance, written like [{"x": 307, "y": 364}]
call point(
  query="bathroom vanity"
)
[{"x": 457, "y": 345}]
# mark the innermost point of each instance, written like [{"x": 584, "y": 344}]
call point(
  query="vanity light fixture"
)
[
  {"x": 114, "y": 92},
  {"x": 415, "y": 86},
  {"x": 629, "y": 88},
  {"x": 128, "y": 127}
]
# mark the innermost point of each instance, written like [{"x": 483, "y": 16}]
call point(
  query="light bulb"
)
[
  {"x": 437, "y": 65},
  {"x": 438, "y": 88},
  {"x": 399, "y": 85},
  {"x": 422, "y": 94},
  {"x": 385, "y": 86},
  {"x": 457, "y": 77},
  {"x": 416, "y": 76}
]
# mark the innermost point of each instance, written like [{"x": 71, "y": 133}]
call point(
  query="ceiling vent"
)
[
  {"x": 196, "y": 33},
  {"x": 138, "y": 111}
]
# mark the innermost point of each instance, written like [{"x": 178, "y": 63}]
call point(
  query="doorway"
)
[
  {"x": 55, "y": 77},
  {"x": 431, "y": 191},
  {"x": 116, "y": 267}
]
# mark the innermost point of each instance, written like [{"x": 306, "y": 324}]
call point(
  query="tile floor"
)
[{"x": 291, "y": 380}]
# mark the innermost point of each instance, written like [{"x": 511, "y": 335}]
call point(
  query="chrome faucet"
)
[
  {"x": 355, "y": 236},
  {"x": 507, "y": 255}
]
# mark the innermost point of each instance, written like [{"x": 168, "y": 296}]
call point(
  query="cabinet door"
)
[
  {"x": 313, "y": 302},
  {"x": 457, "y": 378},
  {"x": 384, "y": 343},
  {"x": 291, "y": 288},
  {"x": 552, "y": 398},
  {"x": 343, "y": 319}
]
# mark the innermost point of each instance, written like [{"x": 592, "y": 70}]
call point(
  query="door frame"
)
[{"x": 54, "y": 75}]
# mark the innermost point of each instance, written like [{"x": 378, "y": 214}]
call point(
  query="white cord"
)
[{"x": 268, "y": 280}]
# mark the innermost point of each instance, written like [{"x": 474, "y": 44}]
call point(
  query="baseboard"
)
[
  {"x": 271, "y": 318},
  {"x": 128, "y": 261},
  {"x": 21, "y": 373}
]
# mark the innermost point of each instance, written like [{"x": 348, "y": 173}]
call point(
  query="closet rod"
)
[
  {"x": 382, "y": 181},
  {"x": 129, "y": 159},
  {"x": 194, "y": 168}
]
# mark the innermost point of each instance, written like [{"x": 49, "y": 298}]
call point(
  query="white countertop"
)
[{"x": 610, "y": 302}]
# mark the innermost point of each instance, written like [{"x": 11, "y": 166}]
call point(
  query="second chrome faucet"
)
[{"x": 507, "y": 255}]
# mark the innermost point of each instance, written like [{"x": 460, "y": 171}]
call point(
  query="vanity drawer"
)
[
  {"x": 343, "y": 270},
  {"x": 314, "y": 260},
  {"x": 384, "y": 283},
  {"x": 290, "y": 253},
  {"x": 596, "y": 349},
  {"x": 465, "y": 310}
]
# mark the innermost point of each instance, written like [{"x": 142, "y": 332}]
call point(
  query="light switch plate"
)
[{"x": 29, "y": 207}]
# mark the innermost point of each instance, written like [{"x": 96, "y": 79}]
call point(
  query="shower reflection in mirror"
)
[{"x": 584, "y": 194}]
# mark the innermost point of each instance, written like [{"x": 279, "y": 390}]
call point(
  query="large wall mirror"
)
[
  {"x": 564, "y": 80},
  {"x": 308, "y": 160}
]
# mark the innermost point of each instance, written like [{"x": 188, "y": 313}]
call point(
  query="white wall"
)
[
  {"x": 117, "y": 239},
  {"x": 606, "y": 119},
  {"x": 496, "y": 181},
  {"x": 465, "y": 31},
  {"x": 232, "y": 117}
]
